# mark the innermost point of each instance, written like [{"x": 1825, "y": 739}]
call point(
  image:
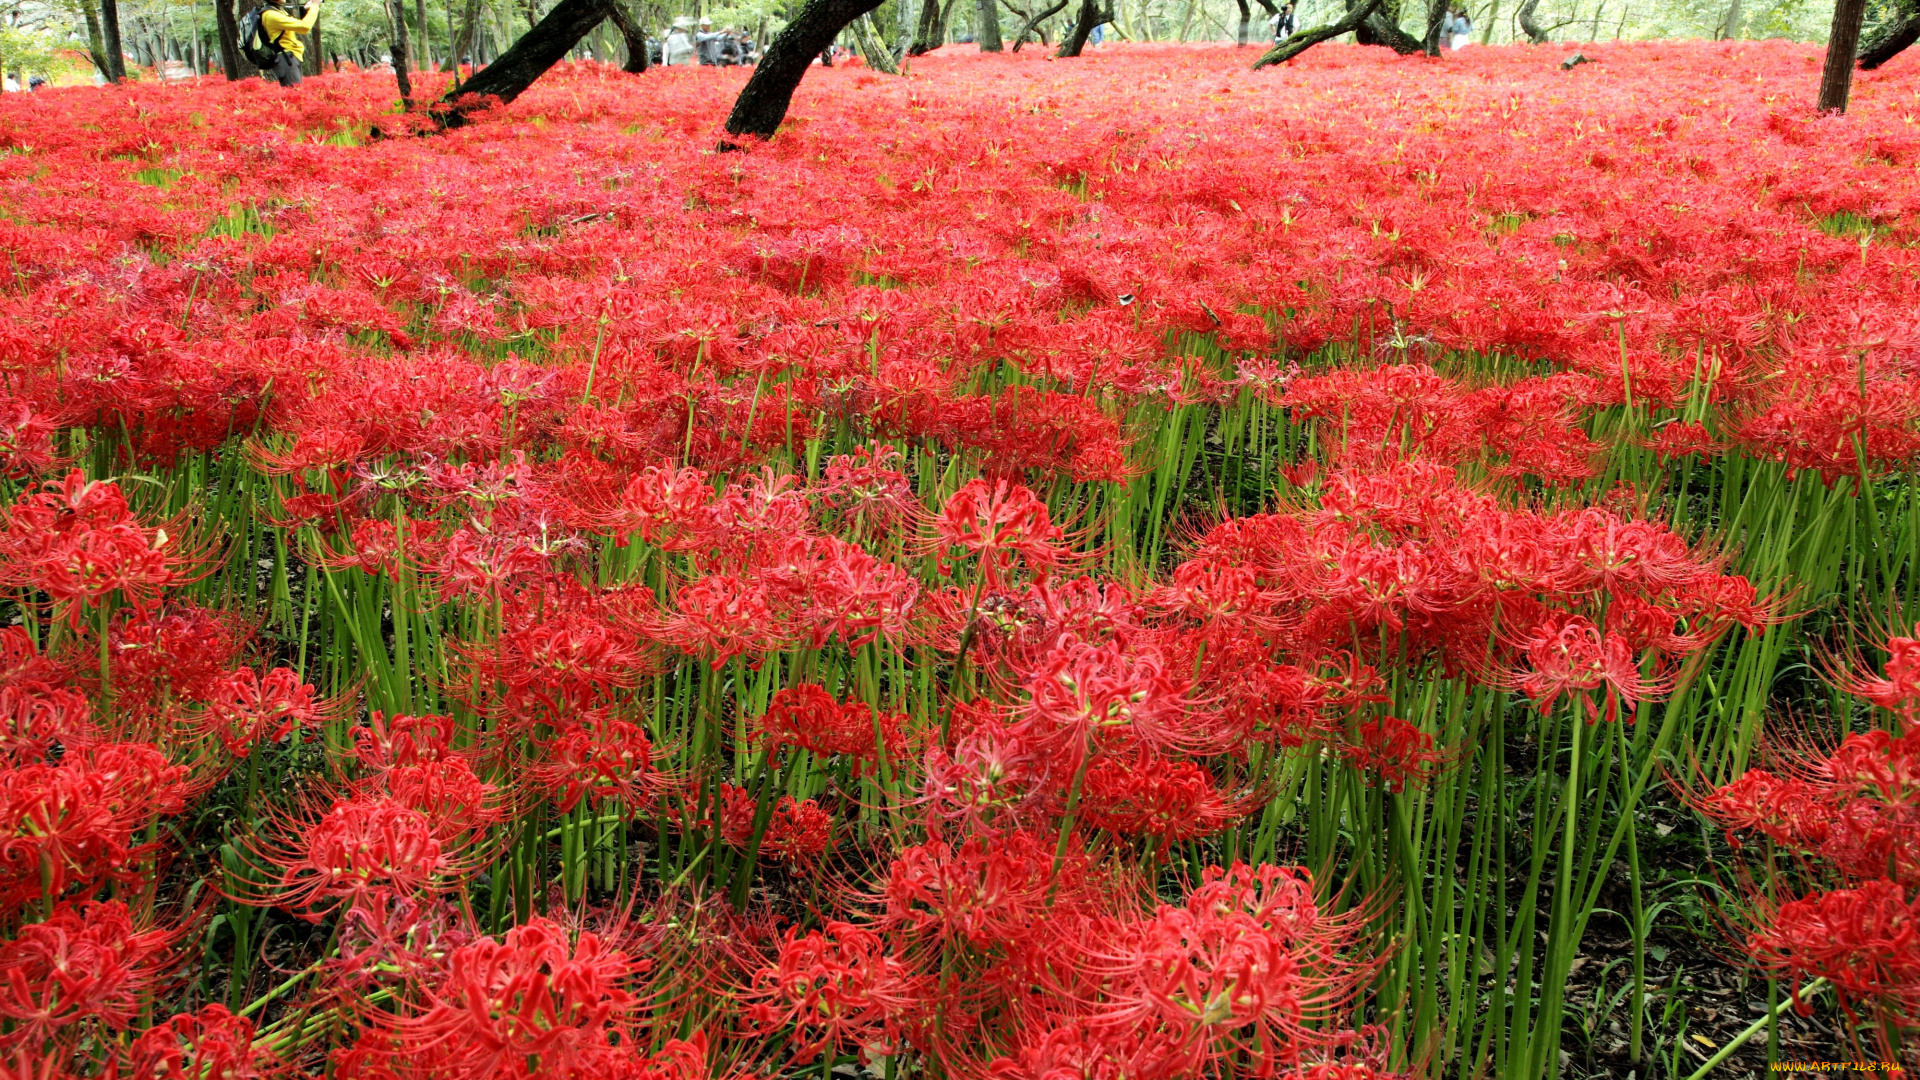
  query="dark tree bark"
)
[
  {"x": 1437, "y": 11},
  {"x": 1383, "y": 28},
  {"x": 1843, "y": 46},
  {"x": 110, "y": 35},
  {"x": 1534, "y": 31},
  {"x": 426, "y": 34},
  {"x": 1076, "y": 39},
  {"x": 397, "y": 45},
  {"x": 96, "y": 45},
  {"x": 1891, "y": 35},
  {"x": 986, "y": 31},
  {"x": 763, "y": 102},
  {"x": 310, "y": 63},
  {"x": 923, "y": 30},
  {"x": 1035, "y": 20},
  {"x": 463, "y": 38},
  {"x": 1306, "y": 39},
  {"x": 529, "y": 58},
  {"x": 1246, "y": 17},
  {"x": 632, "y": 33}
]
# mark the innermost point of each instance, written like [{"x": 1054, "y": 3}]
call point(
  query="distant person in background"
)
[
  {"x": 1461, "y": 30},
  {"x": 285, "y": 32},
  {"x": 1099, "y": 34},
  {"x": 678, "y": 48},
  {"x": 1281, "y": 23}
]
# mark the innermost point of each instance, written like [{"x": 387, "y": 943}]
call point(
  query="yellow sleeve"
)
[{"x": 277, "y": 23}]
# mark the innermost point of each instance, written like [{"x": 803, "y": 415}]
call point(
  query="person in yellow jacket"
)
[{"x": 286, "y": 32}]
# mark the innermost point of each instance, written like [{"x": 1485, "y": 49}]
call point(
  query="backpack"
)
[{"x": 254, "y": 43}]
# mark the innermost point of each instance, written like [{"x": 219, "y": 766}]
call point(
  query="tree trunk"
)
[
  {"x": 923, "y": 28},
  {"x": 110, "y": 33},
  {"x": 232, "y": 61},
  {"x": 1436, "y": 25},
  {"x": 528, "y": 58},
  {"x": 1303, "y": 40},
  {"x": 1035, "y": 20},
  {"x": 872, "y": 45},
  {"x": 1532, "y": 29},
  {"x": 310, "y": 64},
  {"x": 397, "y": 20},
  {"x": 1843, "y": 44},
  {"x": 1246, "y": 17},
  {"x": 426, "y": 35},
  {"x": 632, "y": 33},
  {"x": 1076, "y": 39},
  {"x": 986, "y": 30},
  {"x": 1383, "y": 28},
  {"x": 463, "y": 38},
  {"x": 96, "y": 45},
  {"x": 763, "y": 102},
  {"x": 1892, "y": 34}
]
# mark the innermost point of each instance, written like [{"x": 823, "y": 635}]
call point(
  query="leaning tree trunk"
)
[
  {"x": 1891, "y": 35},
  {"x": 1534, "y": 31},
  {"x": 986, "y": 31},
  {"x": 1843, "y": 45},
  {"x": 1035, "y": 20},
  {"x": 110, "y": 33},
  {"x": 1076, "y": 39},
  {"x": 1306, "y": 39},
  {"x": 632, "y": 33},
  {"x": 763, "y": 102},
  {"x": 548, "y": 43}
]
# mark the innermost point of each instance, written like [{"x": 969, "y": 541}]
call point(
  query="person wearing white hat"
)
[{"x": 678, "y": 48}]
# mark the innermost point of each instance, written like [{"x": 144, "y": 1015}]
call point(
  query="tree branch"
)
[{"x": 1307, "y": 39}]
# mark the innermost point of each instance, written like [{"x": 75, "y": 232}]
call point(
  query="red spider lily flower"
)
[
  {"x": 1569, "y": 654},
  {"x": 600, "y": 759},
  {"x": 1865, "y": 941},
  {"x": 77, "y": 541},
  {"x": 386, "y": 742},
  {"x": 723, "y": 616},
  {"x": 1248, "y": 966},
  {"x": 1899, "y": 689},
  {"x": 86, "y": 962},
  {"x": 26, "y": 439},
  {"x": 836, "y": 987},
  {"x": 1394, "y": 750},
  {"x": 808, "y": 717},
  {"x": 246, "y": 710},
  {"x": 1081, "y": 693},
  {"x": 1143, "y": 794},
  {"x": 1685, "y": 439},
  {"x": 997, "y": 521},
  {"x": 357, "y": 852},
  {"x": 70, "y": 827},
  {"x": 797, "y": 830},
  {"x": 455, "y": 801},
  {"x": 533, "y": 1004},
  {"x": 34, "y": 718},
  {"x": 666, "y": 506},
  {"x": 991, "y": 889},
  {"x": 871, "y": 495},
  {"x": 1080, "y": 1049},
  {"x": 210, "y": 1043}
]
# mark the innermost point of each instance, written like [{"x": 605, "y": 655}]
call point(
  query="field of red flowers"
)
[{"x": 1117, "y": 568}]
